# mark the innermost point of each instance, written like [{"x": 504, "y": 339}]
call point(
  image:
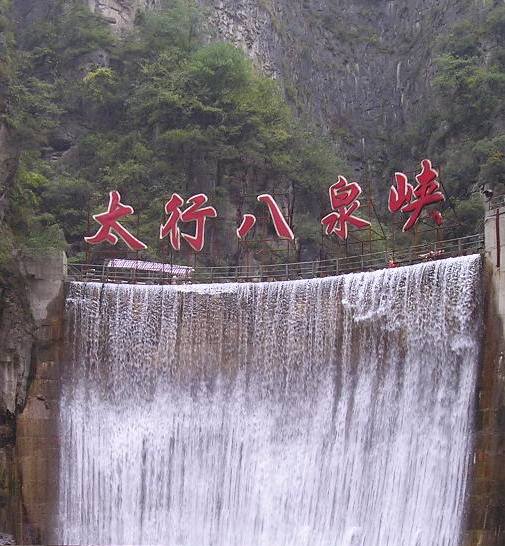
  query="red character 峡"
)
[
  {"x": 194, "y": 213},
  {"x": 344, "y": 202},
  {"x": 280, "y": 224},
  {"x": 109, "y": 222},
  {"x": 412, "y": 201}
]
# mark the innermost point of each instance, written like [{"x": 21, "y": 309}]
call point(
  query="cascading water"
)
[{"x": 327, "y": 412}]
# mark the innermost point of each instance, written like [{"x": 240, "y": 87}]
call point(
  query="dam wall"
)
[
  {"x": 337, "y": 410},
  {"x": 29, "y": 459},
  {"x": 486, "y": 518}
]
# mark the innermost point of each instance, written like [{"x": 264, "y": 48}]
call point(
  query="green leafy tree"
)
[
  {"x": 157, "y": 111},
  {"x": 463, "y": 132}
]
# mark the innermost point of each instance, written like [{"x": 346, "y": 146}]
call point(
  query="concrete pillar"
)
[
  {"x": 486, "y": 516},
  {"x": 494, "y": 233}
]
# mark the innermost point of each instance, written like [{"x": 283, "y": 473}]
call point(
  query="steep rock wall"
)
[
  {"x": 486, "y": 519},
  {"x": 31, "y": 299},
  {"x": 120, "y": 13},
  {"x": 16, "y": 340},
  {"x": 359, "y": 69}
]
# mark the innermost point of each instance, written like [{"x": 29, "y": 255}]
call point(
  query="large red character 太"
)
[
  {"x": 344, "y": 202},
  {"x": 109, "y": 223},
  {"x": 194, "y": 213},
  {"x": 280, "y": 224},
  {"x": 412, "y": 201}
]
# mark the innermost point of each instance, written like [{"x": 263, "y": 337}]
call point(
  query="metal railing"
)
[{"x": 283, "y": 272}]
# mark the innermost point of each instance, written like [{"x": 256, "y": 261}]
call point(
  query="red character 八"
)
[
  {"x": 248, "y": 222},
  {"x": 412, "y": 201},
  {"x": 194, "y": 213},
  {"x": 280, "y": 224},
  {"x": 109, "y": 222},
  {"x": 344, "y": 202}
]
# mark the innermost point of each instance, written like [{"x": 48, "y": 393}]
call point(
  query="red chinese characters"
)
[
  {"x": 344, "y": 202},
  {"x": 401, "y": 195},
  {"x": 196, "y": 212},
  {"x": 109, "y": 223},
  {"x": 344, "y": 199},
  {"x": 280, "y": 224},
  {"x": 248, "y": 222},
  {"x": 412, "y": 201}
]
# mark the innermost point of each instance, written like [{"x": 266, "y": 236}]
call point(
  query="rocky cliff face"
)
[
  {"x": 120, "y": 13},
  {"x": 358, "y": 69},
  {"x": 16, "y": 340},
  {"x": 31, "y": 298}
]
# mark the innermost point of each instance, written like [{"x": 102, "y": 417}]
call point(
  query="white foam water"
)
[{"x": 325, "y": 412}]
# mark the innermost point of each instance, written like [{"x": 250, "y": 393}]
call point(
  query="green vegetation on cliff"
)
[
  {"x": 464, "y": 131},
  {"x": 161, "y": 109},
  {"x": 155, "y": 111}
]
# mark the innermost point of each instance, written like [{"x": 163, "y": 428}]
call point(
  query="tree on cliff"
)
[{"x": 155, "y": 111}]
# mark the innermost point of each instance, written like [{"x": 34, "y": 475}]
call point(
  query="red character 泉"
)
[
  {"x": 194, "y": 213},
  {"x": 109, "y": 222},
  {"x": 280, "y": 224},
  {"x": 344, "y": 202},
  {"x": 412, "y": 201}
]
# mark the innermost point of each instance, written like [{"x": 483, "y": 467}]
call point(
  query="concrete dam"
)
[
  {"x": 355, "y": 410},
  {"x": 329, "y": 411}
]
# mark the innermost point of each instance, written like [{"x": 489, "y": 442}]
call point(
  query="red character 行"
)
[
  {"x": 280, "y": 224},
  {"x": 344, "y": 202},
  {"x": 109, "y": 222},
  {"x": 194, "y": 213},
  {"x": 412, "y": 201}
]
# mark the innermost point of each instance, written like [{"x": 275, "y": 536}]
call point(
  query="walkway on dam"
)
[{"x": 135, "y": 273}]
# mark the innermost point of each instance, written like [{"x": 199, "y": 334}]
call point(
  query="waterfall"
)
[{"x": 324, "y": 412}]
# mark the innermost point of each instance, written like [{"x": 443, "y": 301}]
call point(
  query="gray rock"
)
[
  {"x": 360, "y": 70},
  {"x": 61, "y": 139},
  {"x": 6, "y": 540}
]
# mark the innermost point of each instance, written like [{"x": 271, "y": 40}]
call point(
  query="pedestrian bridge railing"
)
[{"x": 103, "y": 273}]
